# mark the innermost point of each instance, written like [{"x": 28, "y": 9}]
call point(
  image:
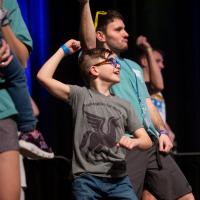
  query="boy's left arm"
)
[{"x": 141, "y": 140}]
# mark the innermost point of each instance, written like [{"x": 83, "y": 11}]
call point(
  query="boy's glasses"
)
[{"x": 112, "y": 61}]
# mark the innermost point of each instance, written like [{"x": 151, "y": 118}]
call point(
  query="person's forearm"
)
[
  {"x": 45, "y": 76},
  {"x": 142, "y": 139},
  {"x": 155, "y": 116},
  {"x": 17, "y": 47},
  {"x": 48, "y": 69},
  {"x": 155, "y": 75},
  {"x": 144, "y": 143},
  {"x": 87, "y": 30}
]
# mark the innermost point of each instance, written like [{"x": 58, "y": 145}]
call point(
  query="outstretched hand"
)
[
  {"x": 142, "y": 42},
  {"x": 5, "y": 55},
  {"x": 73, "y": 45}
]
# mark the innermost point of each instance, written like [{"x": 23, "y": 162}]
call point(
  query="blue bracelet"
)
[{"x": 65, "y": 48}]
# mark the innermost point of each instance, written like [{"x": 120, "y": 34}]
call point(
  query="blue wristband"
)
[{"x": 65, "y": 48}]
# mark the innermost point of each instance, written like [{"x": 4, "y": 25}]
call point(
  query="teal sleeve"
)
[{"x": 17, "y": 23}]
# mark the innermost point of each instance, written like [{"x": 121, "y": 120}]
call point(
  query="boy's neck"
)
[{"x": 103, "y": 88}]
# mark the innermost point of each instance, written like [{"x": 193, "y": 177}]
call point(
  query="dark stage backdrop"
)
[{"x": 171, "y": 25}]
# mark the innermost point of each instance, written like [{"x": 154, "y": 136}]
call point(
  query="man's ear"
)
[
  {"x": 100, "y": 36},
  {"x": 144, "y": 62}
]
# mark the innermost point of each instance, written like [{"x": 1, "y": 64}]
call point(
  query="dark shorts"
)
[
  {"x": 8, "y": 135},
  {"x": 158, "y": 173}
]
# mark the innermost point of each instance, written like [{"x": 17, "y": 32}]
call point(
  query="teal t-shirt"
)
[
  {"x": 19, "y": 28},
  {"x": 17, "y": 23},
  {"x": 132, "y": 88}
]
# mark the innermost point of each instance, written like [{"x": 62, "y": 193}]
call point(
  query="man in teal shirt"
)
[{"x": 153, "y": 167}]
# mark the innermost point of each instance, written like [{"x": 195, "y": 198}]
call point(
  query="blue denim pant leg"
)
[
  {"x": 89, "y": 187},
  {"x": 17, "y": 88},
  {"x": 122, "y": 189}
]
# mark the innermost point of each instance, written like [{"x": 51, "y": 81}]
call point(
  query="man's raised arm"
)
[{"x": 87, "y": 30}]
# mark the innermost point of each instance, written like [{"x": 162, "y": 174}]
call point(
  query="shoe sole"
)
[{"x": 32, "y": 151}]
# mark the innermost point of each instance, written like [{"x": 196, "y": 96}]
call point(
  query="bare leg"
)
[
  {"x": 9, "y": 176},
  {"x": 146, "y": 195},
  {"x": 187, "y": 197}
]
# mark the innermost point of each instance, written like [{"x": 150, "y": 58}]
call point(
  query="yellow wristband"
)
[{"x": 149, "y": 49}]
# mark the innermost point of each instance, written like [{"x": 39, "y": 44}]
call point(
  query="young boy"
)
[{"x": 98, "y": 163}]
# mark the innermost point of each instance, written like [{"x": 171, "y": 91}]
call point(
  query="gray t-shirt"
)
[{"x": 100, "y": 121}]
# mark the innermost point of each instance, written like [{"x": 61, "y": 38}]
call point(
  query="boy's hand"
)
[
  {"x": 127, "y": 142},
  {"x": 5, "y": 56},
  {"x": 73, "y": 45}
]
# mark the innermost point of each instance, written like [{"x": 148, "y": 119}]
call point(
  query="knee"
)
[
  {"x": 146, "y": 195},
  {"x": 187, "y": 197}
]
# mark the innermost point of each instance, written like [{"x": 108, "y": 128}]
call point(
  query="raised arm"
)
[
  {"x": 87, "y": 30},
  {"x": 154, "y": 75},
  {"x": 45, "y": 75}
]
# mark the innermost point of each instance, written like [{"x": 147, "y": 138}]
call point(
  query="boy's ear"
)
[
  {"x": 93, "y": 71},
  {"x": 100, "y": 36}
]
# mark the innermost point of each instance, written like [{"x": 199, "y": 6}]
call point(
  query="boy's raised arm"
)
[{"x": 45, "y": 75}]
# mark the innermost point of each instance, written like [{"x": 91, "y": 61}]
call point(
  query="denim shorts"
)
[
  {"x": 89, "y": 187},
  {"x": 8, "y": 135}
]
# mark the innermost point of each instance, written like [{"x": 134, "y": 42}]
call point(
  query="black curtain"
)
[{"x": 171, "y": 25}]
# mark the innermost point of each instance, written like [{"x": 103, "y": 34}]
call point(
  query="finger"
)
[
  {"x": 6, "y": 54},
  {"x": 76, "y": 45},
  {"x": 126, "y": 142},
  {"x": 117, "y": 145},
  {"x": 161, "y": 147},
  {"x": 6, "y": 62},
  {"x": 169, "y": 147},
  {"x": 3, "y": 48}
]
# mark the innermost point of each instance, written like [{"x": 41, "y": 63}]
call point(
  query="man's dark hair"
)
[{"x": 104, "y": 20}]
